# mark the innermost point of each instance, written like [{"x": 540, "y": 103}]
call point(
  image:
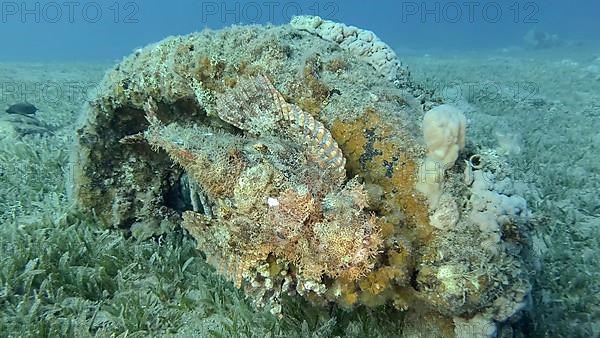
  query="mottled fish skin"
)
[{"x": 247, "y": 107}]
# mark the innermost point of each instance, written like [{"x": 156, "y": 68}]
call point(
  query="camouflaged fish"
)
[
  {"x": 256, "y": 106},
  {"x": 276, "y": 193}
]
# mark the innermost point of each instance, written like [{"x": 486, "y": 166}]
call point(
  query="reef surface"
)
[{"x": 310, "y": 163}]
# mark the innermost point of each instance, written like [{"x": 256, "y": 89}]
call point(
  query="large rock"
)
[{"x": 293, "y": 162}]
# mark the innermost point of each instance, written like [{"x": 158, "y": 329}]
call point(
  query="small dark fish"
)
[{"x": 22, "y": 108}]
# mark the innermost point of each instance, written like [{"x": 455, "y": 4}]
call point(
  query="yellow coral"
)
[
  {"x": 377, "y": 281},
  {"x": 372, "y": 154}
]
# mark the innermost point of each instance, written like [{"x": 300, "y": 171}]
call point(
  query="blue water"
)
[{"x": 106, "y": 30}]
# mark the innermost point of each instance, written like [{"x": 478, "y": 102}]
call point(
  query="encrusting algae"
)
[{"x": 294, "y": 163}]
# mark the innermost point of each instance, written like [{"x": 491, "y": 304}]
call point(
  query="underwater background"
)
[
  {"x": 62, "y": 30},
  {"x": 525, "y": 74}
]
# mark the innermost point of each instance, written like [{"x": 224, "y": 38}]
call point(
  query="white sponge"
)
[{"x": 444, "y": 133}]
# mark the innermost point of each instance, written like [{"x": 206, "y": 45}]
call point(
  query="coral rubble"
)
[{"x": 295, "y": 164}]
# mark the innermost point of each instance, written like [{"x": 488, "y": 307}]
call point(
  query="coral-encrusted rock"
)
[
  {"x": 359, "y": 42},
  {"x": 313, "y": 219},
  {"x": 293, "y": 163}
]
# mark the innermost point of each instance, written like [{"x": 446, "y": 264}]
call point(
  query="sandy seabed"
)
[{"x": 540, "y": 108}]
